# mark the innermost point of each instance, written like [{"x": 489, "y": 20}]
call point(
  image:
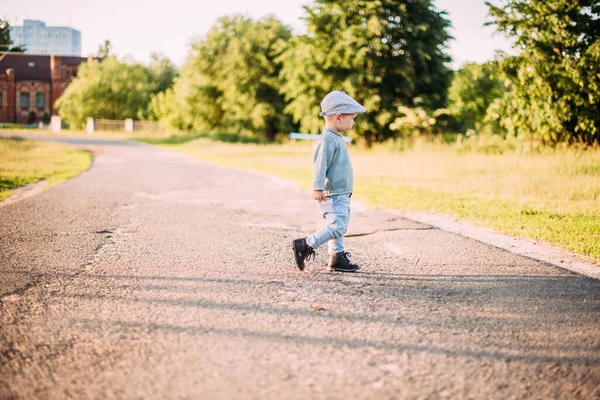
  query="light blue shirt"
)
[{"x": 333, "y": 171}]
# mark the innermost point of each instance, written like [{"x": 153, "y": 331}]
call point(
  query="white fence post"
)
[
  {"x": 129, "y": 125},
  {"x": 55, "y": 123},
  {"x": 90, "y": 125}
]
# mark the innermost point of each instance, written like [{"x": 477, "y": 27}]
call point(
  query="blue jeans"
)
[{"x": 336, "y": 210}]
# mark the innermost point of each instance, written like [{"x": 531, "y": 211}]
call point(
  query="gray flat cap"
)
[{"x": 337, "y": 102}]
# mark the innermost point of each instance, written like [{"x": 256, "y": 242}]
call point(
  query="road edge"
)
[{"x": 535, "y": 250}]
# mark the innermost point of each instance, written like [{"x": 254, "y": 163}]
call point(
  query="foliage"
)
[
  {"x": 162, "y": 73},
  {"x": 165, "y": 107},
  {"x": 382, "y": 53},
  {"x": 31, "y": 117},
  {"x": 474, "y": 87},
  {"x": 104, "y": 49},
  {"x": 230, "y": 81},
  {"x": 5, "y": 42},
  {"x": 555, "y": 85},
  {"x": 414, "y": 121},
  {"x": 110, "y": 89}
]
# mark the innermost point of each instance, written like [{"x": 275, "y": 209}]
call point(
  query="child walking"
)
[{"x": 333, "y": 181}]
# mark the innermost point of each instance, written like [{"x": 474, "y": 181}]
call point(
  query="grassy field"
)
[
  {"x": 551, "y": 196},
  {"x": 24, "y": 161}
]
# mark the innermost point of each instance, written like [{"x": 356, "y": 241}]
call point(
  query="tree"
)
[
  {"x": 383, "y": 53},
  {"x": 104, "y": 49},
  {"x": 5, "y": 42},
  {"x": 162, "y": 73},
  {"x": 167, "y": 108},
  {"x": 474, "y": 87},
  {"x": 109, "y": 89},
  {"x": 230, "y": 81},
  {"x": 555, "y": 90}
]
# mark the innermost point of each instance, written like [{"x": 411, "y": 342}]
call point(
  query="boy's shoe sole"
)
[
  {"x": 343, "y": 270},
  {"x": 296, "y": 247}
]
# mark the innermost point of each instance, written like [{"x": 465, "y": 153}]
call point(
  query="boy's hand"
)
[{"x": 318, "y": 195}]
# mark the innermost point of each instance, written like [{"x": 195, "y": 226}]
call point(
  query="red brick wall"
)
[
  {"x": 7, "y": 86},
  {"x": 4, "y": 112}
]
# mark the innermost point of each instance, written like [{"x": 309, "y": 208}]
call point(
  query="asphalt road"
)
[{"x": 156, "y": 276}]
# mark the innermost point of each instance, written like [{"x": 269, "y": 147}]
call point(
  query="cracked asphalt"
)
[{"x": 154, "y": 275}]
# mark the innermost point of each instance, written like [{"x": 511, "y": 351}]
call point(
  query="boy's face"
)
[{"x": 344, "y": 122}]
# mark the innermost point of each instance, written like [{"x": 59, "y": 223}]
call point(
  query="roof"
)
[
  {"x": 31, "y": 67},
  {"x": 68, "y": 60}
]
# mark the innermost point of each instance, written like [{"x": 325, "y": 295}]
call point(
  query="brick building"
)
[{"x": 33, "y": 83}]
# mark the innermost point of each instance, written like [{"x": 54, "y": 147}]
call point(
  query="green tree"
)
[
  {"x": 111, "y": 89},
  {"x": 104, "y": 49},
  {"x": 5, "y": 42},
  {"x": 555, "y": 85},
  {"x": 162, "y": 73},
  {"x": 474, "y": 87},
  {"x": 167, "y": 108},
  {"x": 230, "y": 81},
  {"x": 383, "y": 53}
]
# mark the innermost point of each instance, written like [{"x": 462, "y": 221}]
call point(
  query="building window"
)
[
  {"x": 1, "y": 99},
  {"x": 25, "y": 100},
  {"x": 40, "y": 100}
]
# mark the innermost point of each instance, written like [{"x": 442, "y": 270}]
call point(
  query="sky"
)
[{"x": 137, "y": 28}]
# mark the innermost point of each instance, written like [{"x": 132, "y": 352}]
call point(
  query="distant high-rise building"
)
[{"x": 37, "y": 38}]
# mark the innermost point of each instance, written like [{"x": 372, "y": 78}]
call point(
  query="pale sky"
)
[{"x": 139, "y": 27}]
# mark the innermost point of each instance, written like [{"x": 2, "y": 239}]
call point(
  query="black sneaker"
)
[
  {"x": 302, "y": 252},
  {"x": 341, "y": 263}
]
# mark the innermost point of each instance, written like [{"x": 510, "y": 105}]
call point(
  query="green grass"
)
[
  {"x": 156, "y": 137},
  {"x": 553, "y": 196},
  {"x": 153, "y": 137},
  {"x": 24, "y": 161},
  {"x": 12, "y": 126},
  {"x": 178, "y": 138}
]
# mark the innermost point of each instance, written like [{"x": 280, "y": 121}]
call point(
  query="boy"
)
[{"x": 333, "y": 181}]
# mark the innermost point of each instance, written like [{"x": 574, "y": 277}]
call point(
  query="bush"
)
[{"x": 31, "y": 118}]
